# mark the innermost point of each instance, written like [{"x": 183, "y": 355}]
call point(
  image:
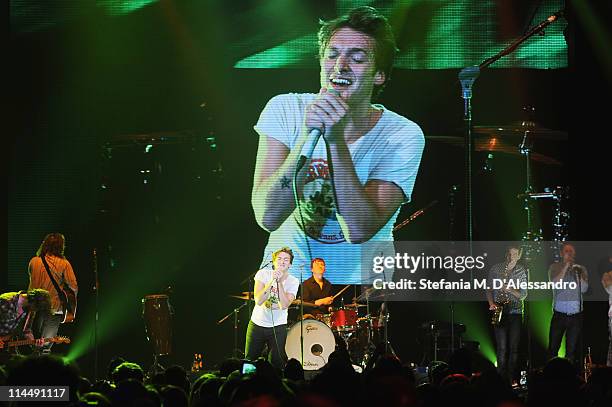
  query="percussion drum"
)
[
  {"x": 325, "y": 318},
  {"x": 344, "y": 320},
  {"x": 157, "y": 314},
  {"x": 319, "y": 343}
]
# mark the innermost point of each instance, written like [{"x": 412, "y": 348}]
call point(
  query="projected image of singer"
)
[
  {"x": 275, "y": 290},
  {"x": 360, "y": 159}
]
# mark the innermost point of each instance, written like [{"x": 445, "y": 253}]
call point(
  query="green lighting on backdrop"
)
[
  {"x": 121, "y": 7},
  {"x": 285, "y": 55},
  {"x": 539, "y": 320},
  {"x": 539, "y": 323},
  {"x": 36, "y": 15},
  {"x": 478, "y": 330},
  {"x": 117, "y": 302},
  {"x": 451, "y": 35}
]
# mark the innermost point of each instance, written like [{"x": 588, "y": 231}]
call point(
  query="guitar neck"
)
[{"x": 22, "y": 342}]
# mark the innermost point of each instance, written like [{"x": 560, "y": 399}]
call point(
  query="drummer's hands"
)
[{"x": 324, "y": 301}]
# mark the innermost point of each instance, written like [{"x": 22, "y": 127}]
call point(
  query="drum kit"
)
[
  {"x": 535, "y": 145},
  {"x": 342, "y": 327}
]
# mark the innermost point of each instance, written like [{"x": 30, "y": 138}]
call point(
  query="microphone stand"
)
[
  {"x": 415, "y": 215},
  {"x": 249, "y": 280},
  {"x": 96, "y": 287},
  {"x": 301, "y": 318},
  {"x": 467, "y": 77},
  {"x": 235, "y": 314}
]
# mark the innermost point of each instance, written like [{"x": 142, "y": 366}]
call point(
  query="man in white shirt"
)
[
  {"x": 275, "y": 290},
  {"x": 363, "y": 168},
  {"x": 567, "y": 303},
  {"x": 606, "y": 281}
]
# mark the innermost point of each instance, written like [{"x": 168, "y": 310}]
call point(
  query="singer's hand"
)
[
  {"x": 326, "y": 113},
  {"x": 276, "y": 274}
]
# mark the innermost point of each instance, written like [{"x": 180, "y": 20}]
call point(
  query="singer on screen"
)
[{"x": 356, "y": 161}]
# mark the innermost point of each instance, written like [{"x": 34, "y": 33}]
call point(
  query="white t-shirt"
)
[
  {"x": 609, "y": 291},
  {"x": 267, "y": 314},
  {"x": 391, "y": 151}
]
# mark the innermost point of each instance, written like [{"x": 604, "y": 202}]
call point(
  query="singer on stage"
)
[
  {"x": 275, "y": 289},
  {"x": 361, "y": 159},
  {"x": 567, "y": 303}
]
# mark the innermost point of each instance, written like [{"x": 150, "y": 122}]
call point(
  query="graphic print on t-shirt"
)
[
  {"x": 318, "y": 205},
  {"x": 273, "y": 300}
]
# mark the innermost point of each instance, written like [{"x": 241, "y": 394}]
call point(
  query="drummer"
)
[{"x": 317, "y": 289}]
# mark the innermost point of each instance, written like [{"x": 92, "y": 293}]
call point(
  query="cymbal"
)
[
  {"x": 371, "y": 294},
  {"x": 297, "y": 301},
  {"x": 162, "y": 137},
  {"x": 354, "y": 305},
  {"x": 240, "y": 297},
  {"x": 495, "y": 144},
  {"x": 245, "y": 295},
  {"x": 518, "y": 130}
]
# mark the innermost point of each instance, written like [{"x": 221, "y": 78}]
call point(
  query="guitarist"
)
[
  {"x": 508, "y": 330},
  {"x": 17, "y": 312},
  {"x": 50, "y": 270}
]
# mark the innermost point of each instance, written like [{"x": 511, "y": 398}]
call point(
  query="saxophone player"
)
[{"x": 506, "y": 303}]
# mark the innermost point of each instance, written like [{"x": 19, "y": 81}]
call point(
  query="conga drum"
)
[{"x": 157, "y": 314}]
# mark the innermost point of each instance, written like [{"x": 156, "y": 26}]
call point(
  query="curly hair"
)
[
  {"x": 53, "y": 243},
  {"x": 369, "y": 21}
]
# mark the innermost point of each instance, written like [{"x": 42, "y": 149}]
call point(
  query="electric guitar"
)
[{"x": 5, "y": 343}]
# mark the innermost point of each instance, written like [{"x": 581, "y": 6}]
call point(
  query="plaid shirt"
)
[
  {"x": 10, "y": 320},
  {"x": 519, "y": 276}
]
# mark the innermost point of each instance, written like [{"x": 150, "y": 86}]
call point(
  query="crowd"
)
[{"x": 466, "y": 380}]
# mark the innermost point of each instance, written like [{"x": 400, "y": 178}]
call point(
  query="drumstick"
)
[{"x": 341, "y": 291}]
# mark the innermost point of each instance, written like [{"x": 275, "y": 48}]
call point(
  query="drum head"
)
[{"x": 319, "y": 343}]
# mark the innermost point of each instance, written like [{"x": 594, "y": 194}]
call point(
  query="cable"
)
[
  {"x": 272, "y": 317},
  {"x": 299, "y": 210}
]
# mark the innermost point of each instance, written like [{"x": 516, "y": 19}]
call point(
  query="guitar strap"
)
[{"x": 60, "y": 293}]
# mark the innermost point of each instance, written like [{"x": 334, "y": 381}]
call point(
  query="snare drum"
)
[
  {"x": 344, "y": 320},
  {"x": 319, "y": 343},
  {"x": 325, "y": 318}
]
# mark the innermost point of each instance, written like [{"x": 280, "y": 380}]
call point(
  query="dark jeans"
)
[
  {"x": 609, "y": 362},
  {"x": 561, "y": 324},
  {"x": 257, "y": 337},
  {"x": 46, "y": 326},
  {"x": 507, "y": 339}
]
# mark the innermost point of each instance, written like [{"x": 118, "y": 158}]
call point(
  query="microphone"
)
[
  {"x": 309, "y": 145},
  {"x": 313, "y": 138}
]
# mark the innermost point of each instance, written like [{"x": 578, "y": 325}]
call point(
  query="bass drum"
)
[{"x": 319, "y": 343}]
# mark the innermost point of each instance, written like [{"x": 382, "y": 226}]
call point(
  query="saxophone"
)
[{"x": 501, "y": 301}]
